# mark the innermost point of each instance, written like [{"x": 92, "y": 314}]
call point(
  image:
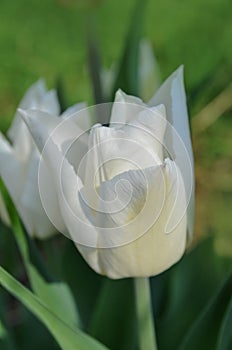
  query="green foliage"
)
[
  {"x": 3, "y": 332},
  {"x": 53, "y": 303},
  {"x": 225, "y": 335},
  {"x": 94, "y": 62},
  {"x": 204, "y": 331},
  {"x": 56, "y": 295},
  {"x": 198, "y": 280},
  {"x": 114, "y": 318},
  {"x": 67, "y": 337},
  {"x": 6, "y": 342},
  {"x": 84, "y": 282},
  {"x": 127, "y": 75}
]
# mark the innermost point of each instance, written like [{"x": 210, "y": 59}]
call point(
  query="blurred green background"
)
[{"x": 47, "y": 38}]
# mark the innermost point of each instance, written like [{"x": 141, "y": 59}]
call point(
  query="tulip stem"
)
[{"x": 146, "y": 327}]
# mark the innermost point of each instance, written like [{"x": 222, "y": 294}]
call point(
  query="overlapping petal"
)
[
  {"x": 172, "y": 95},
  {"x": 20, "y": 160},
  {"x": 148, "y": 249}
]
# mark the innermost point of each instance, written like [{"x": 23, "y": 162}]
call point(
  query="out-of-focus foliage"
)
[{"x": 47, "y": 38}]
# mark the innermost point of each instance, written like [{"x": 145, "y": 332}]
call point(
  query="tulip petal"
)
[
  {"x": 37, "y": 97},
  {"x": 20, "y": 138},
  {"x": 42, "y": 226},
  {"x": 65, "y": 134},
  {"x": 13, "y": 172},
  {"x": 149, "y": 127},
  {"x": 68, "y": 185},
  {"x": 172, "y": 94},
  {"x": 42, "y": 125},
  {"x": 49, "y": 197},
  {"x": 49, "y": 126},
  {"x": 124, "y": 108},
  {"x": 120, "y": 200},
  {"x": 24, "y": 191},
  {"x": 7, "y": 151},
  {"x": 138, "y": 244},
  {"x": 79, "y": 114},
  {"x": 136, "y": 145},
  {"x": 67, "y": 182}
]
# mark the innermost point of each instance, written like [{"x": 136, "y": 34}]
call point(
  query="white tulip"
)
[
  {"x": 125, "y": 204},
  {"x": 19, "y": 164}
]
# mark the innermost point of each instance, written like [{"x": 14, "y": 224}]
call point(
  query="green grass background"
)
[{"x": 47, "y": 38}]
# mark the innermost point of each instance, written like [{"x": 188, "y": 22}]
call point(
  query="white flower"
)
[
  {"x": 125, "y": 203},
  {"x": 19, "y": 163}
]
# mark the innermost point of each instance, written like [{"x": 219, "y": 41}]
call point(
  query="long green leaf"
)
[
  {"x": 61, "y": 94},
  {"x": 57, "y": 295},
  {"x": 85, "y": 283},
  {"x": 225, "y": 334},
  {"x": 67, "y": 337},
  {"x": 204, "y": 332},
  {"x": 94, "y": 60},
  {"x": 3, "y": 332},
  {"x": 127, "y": 78},
  {"x": 114, "y": 317},
  {"x": 182, "y": 292},
  {"x": 6, "y": 342}
]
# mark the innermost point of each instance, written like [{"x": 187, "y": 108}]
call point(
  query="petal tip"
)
[
  {"x": 160, "y": 108},
  {"x": 180, "y": 72},
  {"x": 119, "y": 96},
  {"x": 23, "y": 113}
]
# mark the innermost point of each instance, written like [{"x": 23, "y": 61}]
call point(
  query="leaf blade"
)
[
  {"x": 203, "y": 333},
  {"x": 127, "y": 78},
  {"x": 225, "y": 334},
  {"x": 67, "y": 337}
]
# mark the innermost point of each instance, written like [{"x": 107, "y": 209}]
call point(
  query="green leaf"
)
[
  {"x": 42, "y": 338},
  {"x": 204, "y": 332},
  {"x": 61, "y": 94},
  {"x": 182, "y": 292},
  {"x": 114, "y": 318},
  {"x": 67, "y": 337},
  {"x": 84, "y": 282},
  {"x": 225, "y": 334},
  {"x": 3, "y": 332},
  {"x": 127, "y": 77},
  {"x": 56, "y": 295},
  {"x": 94, "y": 60},
  {"x": 8, "y": 248},
  {"x": 5, "y": 341}
]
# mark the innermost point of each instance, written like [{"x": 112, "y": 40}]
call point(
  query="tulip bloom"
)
[
  {"x": 125, "y": 204},
  {"x": 20, "y": 159}
]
